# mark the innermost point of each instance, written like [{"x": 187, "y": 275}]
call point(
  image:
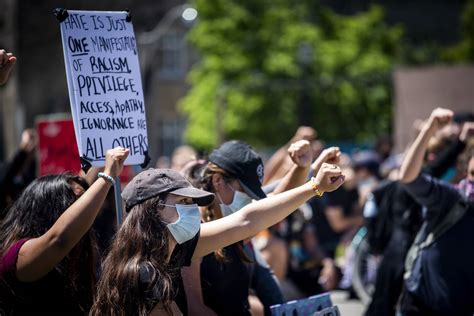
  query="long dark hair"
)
[
  {"x": 200, "y": 175},
  {"x": 35, "y": 212},
  {"x": 142, "y": 242}
]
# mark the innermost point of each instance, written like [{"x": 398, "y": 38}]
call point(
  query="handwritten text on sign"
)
[{"x": 104, "y": 83}]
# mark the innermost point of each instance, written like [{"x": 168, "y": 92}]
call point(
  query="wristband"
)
[
  {"x": 315, "y": 186},
  {"x": 106, "y": 177}
]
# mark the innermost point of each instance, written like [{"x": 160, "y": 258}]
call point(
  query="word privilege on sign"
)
[{"x": 97, "y": 85}]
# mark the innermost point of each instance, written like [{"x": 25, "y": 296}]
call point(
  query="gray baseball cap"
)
[{"x": 151, "y": 182}]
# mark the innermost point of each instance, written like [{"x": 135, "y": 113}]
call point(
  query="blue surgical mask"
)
[
  {"x": 238, "y": 202},
  {"x": 188, "y": 223}
]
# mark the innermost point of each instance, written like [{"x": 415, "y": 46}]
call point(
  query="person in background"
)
[
  {"x": 446, "y": 146},
  {"x": 383, "y": 147},
  {"x": 163, "y": 232},
  {"x": 393, "y": 219},
  {"x": 7, "y": 62},
  {"x": 16, "y": 174},
  {"x": 439, "y": 279},
  {"x": 182, "y": 155},
  {"x": 311, "y": 269},
  {"x": 163, "y": 162},
  {"x": 342, "y": 209},
  {"x": 47, "y": 250},
  {"x": 234, "y": 174},
  {"x": 279, "y": 163}
]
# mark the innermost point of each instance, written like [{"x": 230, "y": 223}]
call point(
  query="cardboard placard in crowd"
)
[
  {"x": 104, "y": 83},
  {"x": 57, "y": 146}
]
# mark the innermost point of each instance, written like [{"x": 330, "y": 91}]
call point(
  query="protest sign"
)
[
  {"x": 104, "y": 83},
  {"x": 56, "y": 145},
  {"x": 330, "y": 311},
  {"x": 306, "y": 306}
]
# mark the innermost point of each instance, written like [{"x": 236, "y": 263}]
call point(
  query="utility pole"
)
[{"x": 9, "y": 92}]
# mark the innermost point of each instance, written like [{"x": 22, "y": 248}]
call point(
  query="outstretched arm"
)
[
  {"x": 39, "y": 255},
  {"x": 413, "y": 161},
  {"x": 263, "y": 213},
  {"x": 278, "y": 160},
  {"x": 301, "y": 154}
]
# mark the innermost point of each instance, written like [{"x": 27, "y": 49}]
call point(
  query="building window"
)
[{"x": 173, "y": 52}]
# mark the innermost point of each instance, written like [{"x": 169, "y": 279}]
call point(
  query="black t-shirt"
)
[
  {"x": 181, "y": 256},
  {"x": 225, "y": 285},
  {"x": 347, "y": 200}
]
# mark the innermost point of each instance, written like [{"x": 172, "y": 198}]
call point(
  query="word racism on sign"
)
[{"x": 105, "y": 88}]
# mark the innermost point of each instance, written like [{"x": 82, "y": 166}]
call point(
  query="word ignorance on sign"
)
[{"x": 105, "y": 88}]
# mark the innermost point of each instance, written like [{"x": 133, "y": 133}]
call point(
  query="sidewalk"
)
[{"x": 347, "y": 307}]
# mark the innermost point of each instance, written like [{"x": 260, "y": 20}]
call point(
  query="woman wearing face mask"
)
[
  {"x": 163, "y": 232},
  {"x": 234, "y": 174}
]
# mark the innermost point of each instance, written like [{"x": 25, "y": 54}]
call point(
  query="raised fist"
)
[
  {"x": 114, "y": 160},
  {"x": 301, "y": 153}
]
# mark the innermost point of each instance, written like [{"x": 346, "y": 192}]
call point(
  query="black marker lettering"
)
[
  {"x": 114, "y": 44},
  {"x": 137, "y": 144},
  {"x": 98, "y": 85},
  {"x": 94, "y": 148},
  {"x": 77, "y": 45},
  {"x": 108, "y": 123},
  {"x": 109, "y": 65},
  {"x": 75, "y": 21}
]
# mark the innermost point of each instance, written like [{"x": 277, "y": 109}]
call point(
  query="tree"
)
[
  {"x": 464, "y": 50},
  {"x": 267, "y": 66}
]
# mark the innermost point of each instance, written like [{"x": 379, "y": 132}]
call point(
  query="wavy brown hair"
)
[
  {"x": 142, "y": 242},
  {"x": 200, "y": 175}
]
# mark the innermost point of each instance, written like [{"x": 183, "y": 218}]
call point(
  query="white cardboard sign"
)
[{"x": 104, "y": 83}]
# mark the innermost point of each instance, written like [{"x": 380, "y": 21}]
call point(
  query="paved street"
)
[{"x": 347, "y": 307}]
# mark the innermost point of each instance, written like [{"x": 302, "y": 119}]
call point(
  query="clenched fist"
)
[{"x": 114, "y": 160}]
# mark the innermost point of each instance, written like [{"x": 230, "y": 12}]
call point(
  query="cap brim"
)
[
  {"x": 255, "y": 192},
  {"x": 201, "y": 197}
]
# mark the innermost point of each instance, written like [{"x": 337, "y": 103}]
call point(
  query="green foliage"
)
[
  {"x": 464, "y": 50},
  {"x": 251, "y": 79}
]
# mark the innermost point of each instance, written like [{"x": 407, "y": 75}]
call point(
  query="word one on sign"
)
[{"x": 105, "y": 88}]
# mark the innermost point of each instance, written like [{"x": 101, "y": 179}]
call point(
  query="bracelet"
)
[
  {"x": 315, "y": 186},
  {"x": 106, "y": 177}
]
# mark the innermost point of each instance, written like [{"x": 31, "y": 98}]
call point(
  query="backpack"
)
[{"x": 423, "y": 240}]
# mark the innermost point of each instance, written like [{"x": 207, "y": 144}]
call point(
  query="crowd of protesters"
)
[{"x": 230, "y": 234}]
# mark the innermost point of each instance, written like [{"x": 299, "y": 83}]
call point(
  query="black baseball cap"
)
[
  {"x": 240, "y": 161},
  {"x": 151, "y": 182}
]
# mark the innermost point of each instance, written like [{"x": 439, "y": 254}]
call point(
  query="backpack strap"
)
[{"x": 421, "y": 242}]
